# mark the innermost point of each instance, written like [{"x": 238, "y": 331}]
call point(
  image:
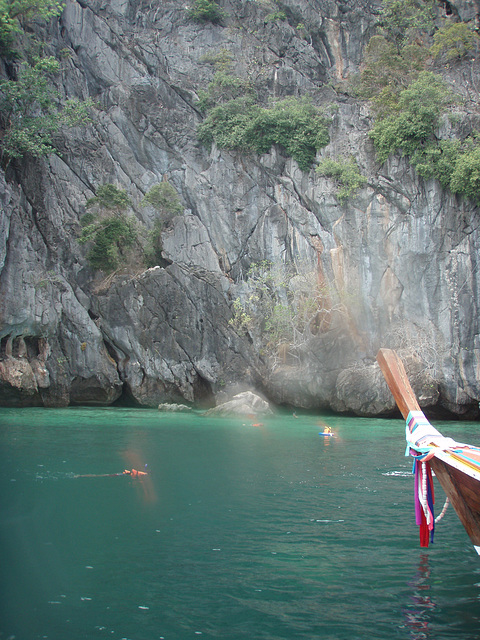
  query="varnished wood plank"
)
[{"x": 397, "y": 380}]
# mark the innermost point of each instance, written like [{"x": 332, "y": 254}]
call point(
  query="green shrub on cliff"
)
[
  {"x": 224, "y": 87},
  {"x": 411, "y": 130},
  {"x": 206, "y": 11},
  {"x": 280, "y": 307},
  {"x": 346, "y": 174},
  {"x": 403, "y": 21},
  {"x": 388, "y": 70},
  {"x": 152, "y": 253},
  {"x": 412, "y": 125},
  {"x": 294, "y": 124},
  {"x": 163, "y": 197},
  {"x": 108, "y": 230},
  {"x": 465, "y": 178},
  {"x": 30, "y": 113},
  {"x": 111, "y": 237},
  {"x": 13, "y": 12},
  {"x": 111, "y": 198},
  {"x": 409, "y": 101},
  {"x": 453, "y": 41}
]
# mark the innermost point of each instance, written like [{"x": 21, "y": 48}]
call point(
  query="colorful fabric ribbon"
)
[{"x": 424, "y": 501}]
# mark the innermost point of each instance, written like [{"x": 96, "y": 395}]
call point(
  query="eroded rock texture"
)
[{"x": 399, "y": 259}]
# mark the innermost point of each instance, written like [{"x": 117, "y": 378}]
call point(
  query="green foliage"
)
[
  {"x": 419, "y": 108},
  {"x": 163, "y": 197},
  {"x": 388, "y": 70},
  {"x": 109, "y": 237},
  {"x": 12, "y": 12},
  {"x": 153, "y": 250},
  {"x": 29, "y": 112},
  {"x": 110, "y": 198},
  {"x": 453, "y": 41},
  {"x": 206, "y": 11},
  {"x": 28, "y": 9},
  {"x": 276, "y": 15},
  {"x": 465, "y": 179},
  {"x": 240, "y": 319},
  {"x": 228, "y": 124},
  {"x": 280, "y": 324},
  {"x": 9, "y": 28},
  {"x": 109, "y": 231},
  {"x": 294, "y": 124},
  {"x": 345, "y": 173},
  {"x": 267, "y": 290},
  {"x": 222, "y": 59},
  {"x": 410, "y": 101},
  {"x": 454, "y": 163},
  {"x": 401, "y": 21},
  {"x": 279, "y": 306},
  {"x": 223, "y": 87},
  {"x": 437, "y": 160}
]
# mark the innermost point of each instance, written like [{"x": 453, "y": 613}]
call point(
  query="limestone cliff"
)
[{"x": 397, "y": 261}]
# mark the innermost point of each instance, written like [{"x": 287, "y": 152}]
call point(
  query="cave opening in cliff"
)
[
  {"x": 203, "y": 393},
  {"x": 126, "y": 398},
  {"x": 448, "y": 9}
]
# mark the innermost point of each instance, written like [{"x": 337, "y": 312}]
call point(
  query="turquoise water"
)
[{"x": 261, "y": 532}]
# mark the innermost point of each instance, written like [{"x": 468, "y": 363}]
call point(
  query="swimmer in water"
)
[{"x": 134, "y": 473}]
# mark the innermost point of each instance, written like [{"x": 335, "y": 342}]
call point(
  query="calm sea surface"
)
[{"x": 240, "y": 531}]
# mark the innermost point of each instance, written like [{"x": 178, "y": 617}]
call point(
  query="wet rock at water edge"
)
[
  {"x": 174, "y": 408},
  {"x": 246, "y": 403}
]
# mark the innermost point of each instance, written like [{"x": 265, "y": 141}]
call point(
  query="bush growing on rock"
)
[
  {"x": 403, "y": 21},
  {"x": 111, "y": 198},
  {"x": 109, "y": 231},
  {"x": 30, "y": 113},
  {"x": 409, "y": 101},
  {"x": 163, "y": 197},
  {"x": 110, "y": 237},
  {"x": 206, "y": 11},
  {"x": 281, "y": 308},
  {"x": 417, "y": 116},
  {"x": 223, "y": 87},
  {"x": 345, "y": 173},
  {"x": 13, "y": 12},
  {"x": 294, "y": 124},
  {"x": 453, "y": 41}
]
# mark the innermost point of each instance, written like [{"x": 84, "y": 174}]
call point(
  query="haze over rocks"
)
[{"x": 398, "y": 261}]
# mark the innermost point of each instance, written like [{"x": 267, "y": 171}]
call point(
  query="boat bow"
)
[{"x": 455, "y": 464}]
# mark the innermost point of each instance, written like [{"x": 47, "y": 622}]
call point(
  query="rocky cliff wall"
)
[{"x": 397, "y": 262}]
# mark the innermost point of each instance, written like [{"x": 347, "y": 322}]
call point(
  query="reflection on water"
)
[
  {"x": 240, "y": 530},
  {"x": 418, "y": 613}
]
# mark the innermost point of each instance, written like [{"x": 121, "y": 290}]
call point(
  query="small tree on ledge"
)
[{"x": 206, "y": 11}]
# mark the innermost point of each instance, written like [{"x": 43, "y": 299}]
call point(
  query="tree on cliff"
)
[
  {"x": 13, "y": 13},
  {"x": 107, "y": 228},
  {"x": 411, "y": 99},
  {"x": 32, "y": 113},
  {"x": 163, "y": 197}
]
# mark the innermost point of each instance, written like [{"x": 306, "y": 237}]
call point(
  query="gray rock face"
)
[{"x": 399, "y": 260}]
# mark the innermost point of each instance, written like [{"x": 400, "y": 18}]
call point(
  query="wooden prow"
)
[
  {"x": 396, "y": 378},
  {"x": 460, "y": 488}
]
